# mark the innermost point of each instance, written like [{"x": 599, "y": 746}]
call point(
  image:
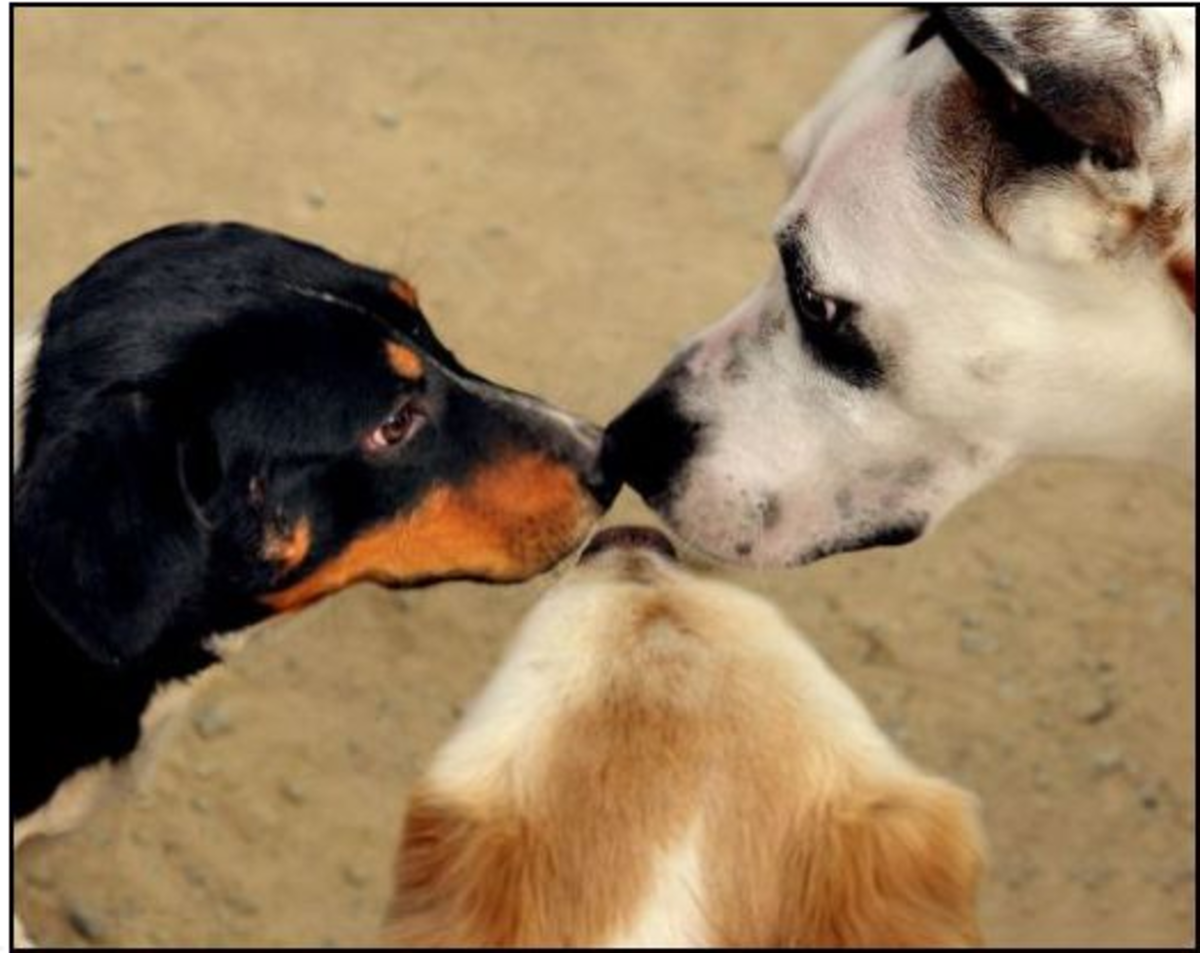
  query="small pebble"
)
[
  {"x": 1169, "y": 609},
  {"x": 896, "y": 729},
  {"x": 212, "y": 721},
  {"x": 875, "y": 649},
  {"x": 354, "y": 876},
  {"x": 1101, "y": 666},
  {"x": 86, "y": 921},
  {"x": 101, "y": 120},
  {"x": 38, "y": 876},
  {"x": 1093, "y": 705},
  {"x": 204, "y": 769},
  {"x": 315, "y": 198},
  {"x": 1107, "y": 760},
  {"x": 387, "y": 118},
  {"x": 1001, "y": 580},
  {"x": 292, "y": 791},
  {"x": 194, "y": 876},
  {"x": 1091, "y": 878},
  {"x": 135, "y": 68},
  {"x": 22, "y": 170},
  {"x": 975, "y": 641},
  {"x": 1018, "y": 874},
  {"x": 200, "y": 805},
  {"x": 1149, "y": 796},
  {"x": 241, "y": 904}
]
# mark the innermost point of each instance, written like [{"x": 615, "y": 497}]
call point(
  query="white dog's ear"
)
[
  {"x": 1074, "y": 90},
  {"x": 1090, "y": 73}
]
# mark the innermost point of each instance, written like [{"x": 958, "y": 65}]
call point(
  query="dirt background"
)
[{"x": 573, "y": 192}]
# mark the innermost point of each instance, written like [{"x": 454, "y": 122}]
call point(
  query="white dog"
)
[
  {"x": 987, "y": 255},
  {"x": 663, "y": 761}
]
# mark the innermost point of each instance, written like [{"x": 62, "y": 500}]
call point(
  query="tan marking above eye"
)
[
  {"x": 289, "y": 550},
  {"x": 512, "y": 519},
  {"x": 405, "y": 361},
  {"x": 404, "y": 291}
]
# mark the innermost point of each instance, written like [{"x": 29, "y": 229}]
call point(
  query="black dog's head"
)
[{"x": 224, "y": 423}]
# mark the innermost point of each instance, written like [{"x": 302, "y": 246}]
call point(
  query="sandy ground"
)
[{"x": 573, "y": 192}]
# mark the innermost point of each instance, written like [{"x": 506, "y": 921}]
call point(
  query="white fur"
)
[
  {"x": 26, "y": 342},
  {"x": 672, "y": 915}
]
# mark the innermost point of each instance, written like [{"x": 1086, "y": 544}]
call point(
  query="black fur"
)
[
  {"x": 839, "y": 345},
  {"x": 1076, "y": 103},
  {"x": 897, "y": 534},
  {"x": 195, "y": 389}
]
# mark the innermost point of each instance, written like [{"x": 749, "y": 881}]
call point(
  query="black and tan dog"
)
[{"x": 222, "y": 424}]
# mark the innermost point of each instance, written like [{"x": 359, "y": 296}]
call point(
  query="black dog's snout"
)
[
  {"x": 602, "y": 483},
  {"x": 649, "y": 444},
  {"x": 583, "y": 451}
]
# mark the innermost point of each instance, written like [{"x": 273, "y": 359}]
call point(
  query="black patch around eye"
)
[{"x": 839, "y": 346}]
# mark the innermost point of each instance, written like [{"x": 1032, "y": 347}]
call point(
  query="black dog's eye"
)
[{"x": 400, "y": 425}]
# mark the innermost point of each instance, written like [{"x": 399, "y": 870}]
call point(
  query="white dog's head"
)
[{"x": 986, "y": 253}]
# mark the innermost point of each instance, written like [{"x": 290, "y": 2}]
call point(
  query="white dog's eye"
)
[
  {"x": 828, "y": 326},
  {"x": 821, "y": 308}
]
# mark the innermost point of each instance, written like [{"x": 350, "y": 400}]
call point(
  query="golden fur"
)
[{"x": 662, "y": 760}]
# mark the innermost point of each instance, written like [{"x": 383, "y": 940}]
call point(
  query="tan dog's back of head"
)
[{"x": 663, "y": 761}]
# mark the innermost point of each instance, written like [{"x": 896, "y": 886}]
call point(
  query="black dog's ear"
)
[
  {"x": 1084, "y": 78},
  {"x": 105, "y": 529},
  {"x": 199, "y": 469}
]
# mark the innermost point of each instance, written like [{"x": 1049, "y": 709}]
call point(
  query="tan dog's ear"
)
[
  {"x": 897, "y": 869},
  {"x": 458, "y": 878}
]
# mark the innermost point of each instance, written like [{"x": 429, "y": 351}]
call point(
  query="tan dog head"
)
[{"x": 662, "y": 760}]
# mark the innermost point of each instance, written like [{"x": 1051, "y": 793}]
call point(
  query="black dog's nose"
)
[
  {"x": 649, "y": 444},
  {"x": 601, "y": 480},
  {"x": 629, "y": 537}
]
